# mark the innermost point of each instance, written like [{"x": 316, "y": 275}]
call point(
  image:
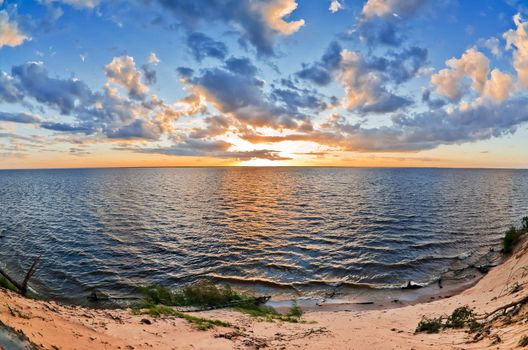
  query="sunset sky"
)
[{"x": 101, "y": 83}]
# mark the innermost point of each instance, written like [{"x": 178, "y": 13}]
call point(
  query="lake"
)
[{"x": 285, "y": 230}]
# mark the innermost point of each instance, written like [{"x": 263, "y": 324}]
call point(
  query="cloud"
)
[
  {"x": 10, "y": 34},
  {"x": 364, "y": 88},
  {"x": 518, "y": 41},
  {"x": 400, "y": 66},
  {"x": 375, "y": 32},
  {"x": 8, "y": 90},
  {"x": 80, "y": 3},
  {"x": 23, "y": 118},
  {"x": 241, "y": 66},
  {"x": 390, "y": 8},
  {"x": 475, "y": 66},
  {"x": 237, "y": 90},
  {"x": 274, "y": 12},
  {"x": 258, "y": 22},
  {"x": 63, "y": 127},
  {"x": 33, "y": 80},
  {"x": 321, "y": 72},
  {"x": 493, "y": 45},
  {"x": 213, "y": 148},
  {"x": 215, "y": 125},
  {"x": 149, "y": 71},
  {"x": 202, "y": 46},
  {"x": 335, "y": 6},
  {"x": 421, "y": 131},
  {"x": 122, "y": 71},
  {"x": 499, "y": 86}
]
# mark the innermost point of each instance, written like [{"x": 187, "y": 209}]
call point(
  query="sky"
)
[{"x": 385, "y": 83}]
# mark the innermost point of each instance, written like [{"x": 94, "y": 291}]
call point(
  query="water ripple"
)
[{"x": 283, "y": 228}]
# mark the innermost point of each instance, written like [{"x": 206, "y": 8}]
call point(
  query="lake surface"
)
[{"x": 280, "y": 229}]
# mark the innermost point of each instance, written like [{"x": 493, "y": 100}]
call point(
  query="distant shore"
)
[{"x": 51, "y": 325}]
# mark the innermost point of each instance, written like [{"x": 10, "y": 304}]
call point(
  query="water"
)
[{"x": 279, "y": 229}]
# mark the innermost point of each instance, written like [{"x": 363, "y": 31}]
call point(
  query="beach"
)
[{"x": 50, "y": 325}]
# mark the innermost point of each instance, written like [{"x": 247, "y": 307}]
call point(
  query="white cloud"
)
[
  {"x": 385, "y": 8},
  {"x": 518, "y": 41},
  {"x": 335, "y": 6},
  {"x": 122, "y": 71},
  {"x": 274, "y": 13},
  {"x": 475, "y": 66},
  {"x": 365, "y": 88},
  {"x": 81, "y": 3},
  {"x": 493, "y": 45},
  {"x": 10, "y": 34},
  {"x": 499, "y": 86},
  {"x": 153, "y": 59},
  {"x": 472, "y": 64}
]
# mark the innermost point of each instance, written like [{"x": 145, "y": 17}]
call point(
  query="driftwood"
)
[
  {"x": 519, "y": 302},
  {"x": 23, "y": 287}
]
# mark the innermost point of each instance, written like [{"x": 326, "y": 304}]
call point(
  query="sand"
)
[{"x": 50, "y": 325}]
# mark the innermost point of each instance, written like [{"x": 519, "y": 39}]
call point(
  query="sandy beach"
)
[{"x": 50, "y": 325}]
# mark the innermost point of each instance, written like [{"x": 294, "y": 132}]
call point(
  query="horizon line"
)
[{"x": 264, "y": 167}]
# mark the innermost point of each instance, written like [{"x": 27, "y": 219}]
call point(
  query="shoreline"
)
[{"x": 52, "y": 325}]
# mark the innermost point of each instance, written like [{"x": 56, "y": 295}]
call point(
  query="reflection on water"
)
[{"x": 302, "y": 228}]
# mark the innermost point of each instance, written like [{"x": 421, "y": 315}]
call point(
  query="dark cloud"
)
[
  {"x": 213, "y": 148},
  {"x": 185, "y": 72},
  {"x": 242, "y": 66},
  {"x": 376, "y": 32},
  {"x": 216, "y": 125},
  {"x": 245, "y": 16},
  {"x": 202, "y": 46},
  {"x": 64, "y": 127},
  {"x": 432, "y": 103},
  {"x": 23, "y": 118},
  {"x": 8, "y": 89},
  {"x": 295, "y": 99},
  {"x": 321, "y": 72},
  {"x": 400, "y": 66},
  {"x": 241, "y": 93},
  {"x": 138, "y": 129},
  {"x": 431, "y": 129},
  {"x": 149, "y": 74},
  {"x": 64, "y": 94}
]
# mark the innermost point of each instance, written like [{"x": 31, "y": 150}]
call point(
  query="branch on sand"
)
[{"x": 22, "y": 287}]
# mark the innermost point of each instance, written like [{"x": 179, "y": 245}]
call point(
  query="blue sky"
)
[{"x": 263, "y": 82}]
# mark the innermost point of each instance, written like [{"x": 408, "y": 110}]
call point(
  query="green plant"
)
[
  {"x": 513, "y": 236},
  {"x": 295, "y": 310},
  {"x": 429, "y": 325},
  {"x": 523, "y": 341},
  {"x": 199, "y": 323},
  {"x": 158, "y": 299},
  {"x": 200, "y": 294},
  {"x": 460, "y": 317}
]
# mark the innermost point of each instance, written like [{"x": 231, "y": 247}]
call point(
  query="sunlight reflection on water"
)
[{"x": 113, "y": 229}]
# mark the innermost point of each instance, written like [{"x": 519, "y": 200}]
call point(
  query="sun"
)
[{"x": 259, "y": 162}]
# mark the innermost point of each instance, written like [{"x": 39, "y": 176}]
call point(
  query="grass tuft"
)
[
  {"x": 523, "y": 341},
  {"x": 199, "y": 323},
  {"x": 461, "y": 317},
  {"x": 158, "y": 301},
  {"x": 429, "y": 325}
]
